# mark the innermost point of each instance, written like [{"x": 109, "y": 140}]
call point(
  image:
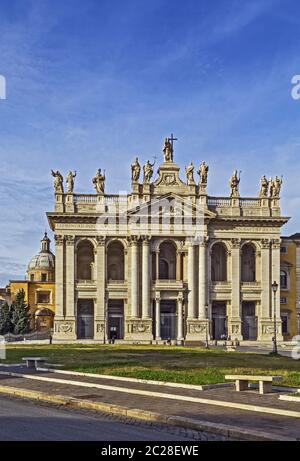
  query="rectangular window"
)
[
  {"x": 283, "y": 249},
  {"x": 32, "y": 277},
  {"x": 283, "y": 300},
  {"x": 44, "y": 277},
  {"x": 43, "y": 297},
  {"x": 284, "y": 320}
]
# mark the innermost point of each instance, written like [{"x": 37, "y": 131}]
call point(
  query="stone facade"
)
[{"x": 167, "y": 262}]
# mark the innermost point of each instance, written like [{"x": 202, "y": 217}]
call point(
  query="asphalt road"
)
[{"x": 30, "y": 421}]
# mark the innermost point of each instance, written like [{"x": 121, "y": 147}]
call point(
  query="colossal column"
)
[
  {"x": 235, "y": 323},
  {"x": 145, "y": 277},
  {"x": 70, "y": 287},
  {"x": 202, "y": 280},
  {"x": 100, "y": 307},
  {"x": 191, "y": 281},
  {"x": 59, "y": 277},
  {"x": 134, "y": 276},
  {"x": 276, "y": 278},
  {"x": 265, "y": 279}
]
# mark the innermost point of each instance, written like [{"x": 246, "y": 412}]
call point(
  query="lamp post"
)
[
  {"x": 274, "y": 289},
  {"x": 207, "y": 325}
]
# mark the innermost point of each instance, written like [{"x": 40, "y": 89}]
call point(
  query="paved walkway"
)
[{"x": 167, "y": 400}]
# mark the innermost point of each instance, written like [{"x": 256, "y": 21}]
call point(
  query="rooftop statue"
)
[
  {"x": 58, "y": 182},
  {"x": 189, "y": 171},
  {"x": 135, "y": 170},
  {"x": 202, "y": 172},
  {"x": 264, "y": 187},
  {"x": 275, "y": 187},
  {"x": 70, "y": 181},
  {"x": 234, "y": 184},
  {"x": 99, "y": 181},
  {"x": 168, "y": 150},
  {"x": 148, "y": 171}
]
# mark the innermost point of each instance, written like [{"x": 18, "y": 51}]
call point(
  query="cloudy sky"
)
[{"x": 91, "y": 84}]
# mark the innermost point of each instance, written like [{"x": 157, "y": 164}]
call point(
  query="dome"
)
[
  {"x": 42, "y": 261},
  {"x": 45, "y": 260}
]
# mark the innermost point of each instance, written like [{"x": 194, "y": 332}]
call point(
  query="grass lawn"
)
[{"x": 177, "y": 364}]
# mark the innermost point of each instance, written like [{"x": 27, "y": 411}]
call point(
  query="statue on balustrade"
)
[
  {"x": 70, "y": 181},
  {"x": 275, "y": 187},
  {"x": 99, "y": 181},
  {"x": 189, "y": 171},
  {"x": 135, "y": 170},
  {"x": 58, "y": 182},
  {"x": 148, "y": 171},
  {"x": 264, "y": 187},
  {"x": 234, "y": 184},
  {"x": 168, "y": 151},
  {"x": 203, "y": 172}
]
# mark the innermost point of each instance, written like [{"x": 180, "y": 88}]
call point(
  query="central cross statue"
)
[{"x": 169, "y": 148}]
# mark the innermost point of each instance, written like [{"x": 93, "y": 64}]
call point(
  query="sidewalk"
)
[{"x": 246, "y": 415}]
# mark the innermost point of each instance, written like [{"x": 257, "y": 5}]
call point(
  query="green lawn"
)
[{"x": 177, "y": 364}]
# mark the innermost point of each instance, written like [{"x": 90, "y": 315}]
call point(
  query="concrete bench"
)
[
  {"x": 242, "y": 381},
  {"x": 34, "y": 362}
]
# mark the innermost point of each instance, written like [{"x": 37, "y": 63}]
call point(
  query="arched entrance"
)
[
  {"x": 85, "y": 319},
  {"x": 43, "y": 319}
]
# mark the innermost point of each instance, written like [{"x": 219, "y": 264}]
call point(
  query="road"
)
[{"x": 30, "y": 421}]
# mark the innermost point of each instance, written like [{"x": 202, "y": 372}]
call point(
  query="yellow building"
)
[
  {"x": 290, "y": 285},
  {"x": 39, "y": 287}
]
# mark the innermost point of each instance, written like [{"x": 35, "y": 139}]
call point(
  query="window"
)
[
  {"x": 283, "y": 279},
  {"x": 44, "y": 277},
  {"x": 32, "y": 277},
  {"x": 43, "y": 297},
  {"x": 284, "y": 326},
  {"x": 283, "y": 300},
  {"x": 283, "y": 249}
]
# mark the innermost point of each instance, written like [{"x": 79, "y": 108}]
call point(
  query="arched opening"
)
[
  {"x": 248, "y": 263},
  {"x": 219, "y": 263},
  {"x": 115, "y": 261},
  {"x": 283, "y": 280},
  {"x": 85, "y": 260},
  {"x": 167, "y": 261},
  {"x": 44, "y": 319}
]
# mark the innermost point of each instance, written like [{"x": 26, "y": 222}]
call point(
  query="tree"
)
[
  {"x": 5, "y": 319},
  {"x": 20, "y": 314}
]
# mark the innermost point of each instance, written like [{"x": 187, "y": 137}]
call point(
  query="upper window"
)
[
  {"x": 283, "y": 249},
  {"x": 283, "y": 279},
  {"x": 44, "y": 277},
  {"x": 32, "y": 277},
  {"x": 43, "y": 297}
]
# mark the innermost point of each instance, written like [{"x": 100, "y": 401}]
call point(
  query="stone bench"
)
[
  {"x": 242, "y": 381},
  {"x": 34, "y": 362}
]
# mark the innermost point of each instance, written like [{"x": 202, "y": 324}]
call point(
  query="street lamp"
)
[
  {"x": 207, "y": 325},
  {"x": 274, "y": 289}
]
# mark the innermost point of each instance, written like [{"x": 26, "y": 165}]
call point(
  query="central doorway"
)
[
  {"x": 219, "y": 320},
  {"x": 85, "y": 319},
  {"x": 168, "y": 324},
  {"x": 115, "y": 319},
  {"x": 249, "y": 325}
]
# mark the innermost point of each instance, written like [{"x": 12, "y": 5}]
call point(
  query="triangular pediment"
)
[{"x": 170, "y": 205}]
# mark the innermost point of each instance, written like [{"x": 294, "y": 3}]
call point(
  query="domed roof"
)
[
  {"x": 45, "y": 259},
  {"x": 42, "y": 261}
]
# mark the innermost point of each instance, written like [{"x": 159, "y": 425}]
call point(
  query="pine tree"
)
[
  {"x": 5, "y": 319},
  {"x": 20, "y": 314}
]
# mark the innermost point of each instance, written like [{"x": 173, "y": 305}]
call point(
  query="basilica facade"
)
[{"x": 166, "y": 262}]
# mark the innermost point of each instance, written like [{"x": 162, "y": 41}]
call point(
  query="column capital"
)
[
  {"x": 145, "y": 239},
  {"x": 265, "y": 244},
  {"x": 100, "y": 239},
  {"x": 133, "y": 239},
  {"x": 236, "y": 243},
  {"x": 59, "y": 239},
  {"x": 275, "y": 244},
  {"x": 70, "y": 240}
]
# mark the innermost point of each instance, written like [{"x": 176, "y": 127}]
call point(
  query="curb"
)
[
  {"x": 228, "y": 432},
  {"x": 197, "y": 387}
]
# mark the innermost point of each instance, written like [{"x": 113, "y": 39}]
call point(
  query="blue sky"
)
[{"x": 93, "y": 84}]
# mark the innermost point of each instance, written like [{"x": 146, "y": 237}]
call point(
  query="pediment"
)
[{"x": 171, "y": 205}]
